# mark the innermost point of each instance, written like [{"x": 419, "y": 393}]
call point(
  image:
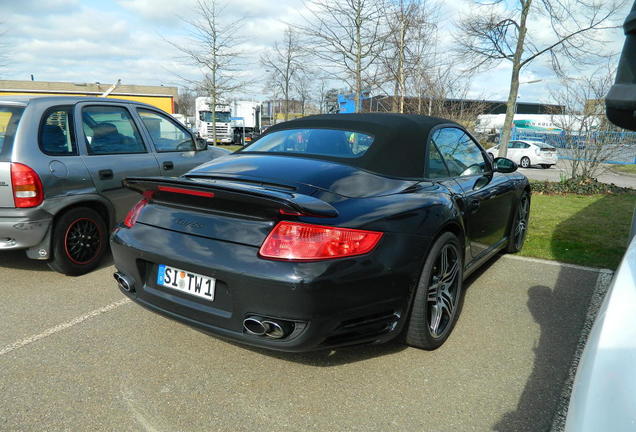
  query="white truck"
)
[
  {"x": 246, "y": 120},
  {"x": 204, "y": 115}
]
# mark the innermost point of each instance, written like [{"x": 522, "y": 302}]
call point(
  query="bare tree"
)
[
  {"x": 500, "y": 33},
  {"x": 185, "y": 101},
  {"x": 407, "y": 42},
  {"x": 347, "y": 37},
  {"x": 285, "y": 64},
  {"x": 212, "y": 47},
  {"x": 588, "y": 137}
]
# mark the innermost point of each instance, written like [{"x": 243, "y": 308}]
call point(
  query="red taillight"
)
[
  {"x": 27, "y": 187},
  {"x": 133, "y": 214},
  {"x": 186, "y": 191},
  {"x": 304, "y": 242}
]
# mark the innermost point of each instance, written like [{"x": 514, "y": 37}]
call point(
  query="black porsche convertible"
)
[{"x": 328, "y": 230}]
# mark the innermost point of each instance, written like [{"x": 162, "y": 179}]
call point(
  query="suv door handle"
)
[
  {"x": 106, "y": 174},
  {"x": 168, "y": 165}
]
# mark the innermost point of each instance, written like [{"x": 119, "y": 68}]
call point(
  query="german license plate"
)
[{"x": 187, "y": 282}]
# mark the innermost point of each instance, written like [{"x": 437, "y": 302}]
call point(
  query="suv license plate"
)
[{"x": 187, "y": 282}]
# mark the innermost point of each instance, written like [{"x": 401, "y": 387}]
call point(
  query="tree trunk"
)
[
  {"x": 213, "y": 106},
  {"x": 514, "y": 82},
  {"x": 358, "y": 72},
  {"x": 401, "y": 65}
]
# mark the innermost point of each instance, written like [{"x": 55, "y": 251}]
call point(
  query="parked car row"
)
[
  {"x": 326, "y": 231},
  {"x": 62, "y": 163}
]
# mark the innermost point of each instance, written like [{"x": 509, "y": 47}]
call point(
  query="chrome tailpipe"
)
[
  {"x": 254, "y": 325},
  {"x": 124, "y": 282},
  {"x": 275, "y": 329}
]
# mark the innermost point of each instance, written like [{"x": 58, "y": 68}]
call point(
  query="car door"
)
[
  {"x": 487, "y": 196},
  {"x": 113, "y": 149},
  {"x": 513, "y": 151},
  {"x": 174, "y": 146}
]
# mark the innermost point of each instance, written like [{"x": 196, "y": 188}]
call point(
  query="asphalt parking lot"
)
[
  {"x": 76, "y": 355},
  {"x": 560, "y": 170}
]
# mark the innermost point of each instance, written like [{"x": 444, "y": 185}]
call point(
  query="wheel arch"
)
[{"x": 103, "y": 207}]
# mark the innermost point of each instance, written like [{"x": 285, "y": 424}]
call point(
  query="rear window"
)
[
  {"x": 544, "y": 146},
  {"x": 319, "y": 142},
  {"x": 9, "y": 118}
]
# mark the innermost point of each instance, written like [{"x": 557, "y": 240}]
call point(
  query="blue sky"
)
[{"x": 91, "y": 40}]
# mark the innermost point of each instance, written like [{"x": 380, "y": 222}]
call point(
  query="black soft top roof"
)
[{"x": 399, "y": 147}]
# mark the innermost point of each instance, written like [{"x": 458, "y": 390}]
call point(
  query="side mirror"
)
[
  {"x": 504, "y": 165},
  {"x": 200, "y": 144}
]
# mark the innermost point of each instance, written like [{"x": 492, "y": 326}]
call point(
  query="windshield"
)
[
  {"x": 221, "y": 117},
  {"x": 322, "y": 142},
  {"x": 9, "y": 118}
]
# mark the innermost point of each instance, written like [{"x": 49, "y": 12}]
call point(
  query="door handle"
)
[
  {"x": 168, "y": 165},
  {"x": 106, "y": 174}
]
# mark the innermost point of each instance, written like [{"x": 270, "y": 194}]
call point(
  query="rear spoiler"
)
[{"x": 286, "y": 202}]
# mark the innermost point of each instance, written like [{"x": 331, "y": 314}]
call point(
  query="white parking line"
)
[
  {"x": 556, "y": 263},
  {"x": 58, "y": 328}
]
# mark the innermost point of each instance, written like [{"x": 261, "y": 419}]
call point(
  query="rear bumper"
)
[
  {"x": 543, "y": 160},
  {"x": 333, "y": 303},
  {"x": 23, "y": 228}
]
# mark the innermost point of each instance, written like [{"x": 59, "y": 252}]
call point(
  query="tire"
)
[
  {"x": 518, "y": 231},
  {"x": 79, "y": 241},
  {"x": 421, "y": 331},
  {"x": 525, "y": 162}
]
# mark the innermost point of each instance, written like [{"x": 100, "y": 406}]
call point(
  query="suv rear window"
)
[
  {"x": 9, "y": 118},
  {"x": 319, "y": 142}
]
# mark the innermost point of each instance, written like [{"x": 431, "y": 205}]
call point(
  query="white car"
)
[
  {"x": 603, "y": 396},
  {"x": 526, "y": 153}
]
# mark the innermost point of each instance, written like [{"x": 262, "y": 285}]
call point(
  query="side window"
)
[
  {"x": 524, "y": 145},
  {"x": 110, "y": 130},
  {"x": 56, "y": 132},
  {"x": 166, "y": 135},
  {"x": 463, "y": 157},
  {"x": 435, "y": 166}
]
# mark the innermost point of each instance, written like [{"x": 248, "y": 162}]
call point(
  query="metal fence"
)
[{"x": 619, "y": 147}]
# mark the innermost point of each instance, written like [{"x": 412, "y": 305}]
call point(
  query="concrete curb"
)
[
  {"x": 554, "y": 263},
  {"x": 600, "y": 290}
]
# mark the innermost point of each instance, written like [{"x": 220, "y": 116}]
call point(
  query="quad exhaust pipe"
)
[
  {"x": 124, "y": 282},
  {"x": 274, "y": 329}
]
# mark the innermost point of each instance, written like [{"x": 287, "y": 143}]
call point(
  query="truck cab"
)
[{"x": 208, "y": 120}]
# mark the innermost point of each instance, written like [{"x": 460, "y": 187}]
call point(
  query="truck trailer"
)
[{"x": 246, "y": 121}]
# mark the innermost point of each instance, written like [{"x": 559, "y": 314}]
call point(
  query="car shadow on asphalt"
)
[
  {"x": 19, "y": 261},
  {"x": 352, "y": 353},
  {"x": 560, "y": 312}
]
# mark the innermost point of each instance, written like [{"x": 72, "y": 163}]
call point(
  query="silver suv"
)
[{"x": 62, "y": 162}]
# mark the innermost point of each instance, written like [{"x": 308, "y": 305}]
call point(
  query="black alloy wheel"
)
[
  {"x": 438, "y": 298},
  {"x": 519, "y": 227},
  {"x": 79, "y": 241},
  {"x": 82, "y": 241}
]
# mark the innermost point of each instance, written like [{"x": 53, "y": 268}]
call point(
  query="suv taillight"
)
[
  {"x": 295, "y": 241},
  {"x": 27, "y": 186}
]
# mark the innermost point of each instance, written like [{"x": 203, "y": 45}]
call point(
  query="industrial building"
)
[{"x": 162, "y": 97}]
